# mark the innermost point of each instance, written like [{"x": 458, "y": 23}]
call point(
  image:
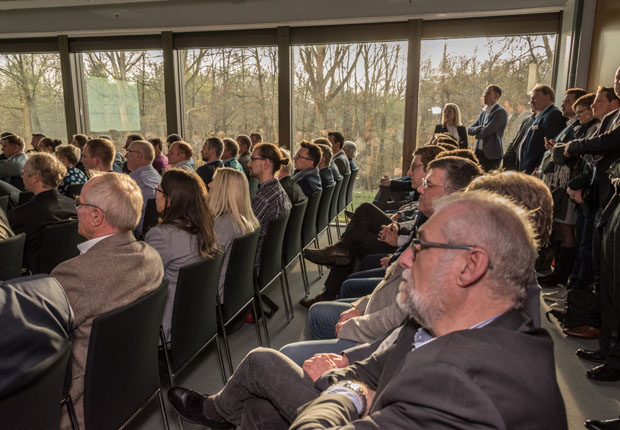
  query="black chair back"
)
[
  {"x": 122, "y": 369},
  {"x": 322, "y": 217},
  {"x": 59, "y": 244},
  {"x": 308, "y": 227},
  {"x": 12, "y": 252},
  {"x": 150, "y": 216},
  {"x": 292, "y": 236},
  {"x": 17, "y": 182},
  {"x": 350, "y": 186},
  {"x": 4, "y": 203},
  {"x": 37, "y": 406},
  {"x": 342, "y": 196},
  {"x": 253, "y": 182},
  {"x": 74, "y": 190},
  {"x": 271, "y": 260},
  {"x": 239, "y": 280},
  {"x": 25, "y": 197},
  {"x": 194, "y": 321},
  {"x": 333, "y": 206}
]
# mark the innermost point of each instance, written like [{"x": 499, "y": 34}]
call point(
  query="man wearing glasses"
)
[
  {"x": 113, "y": 268},
  {"x": 306, "y": 161},
  {"x": 467, "y": 356}
]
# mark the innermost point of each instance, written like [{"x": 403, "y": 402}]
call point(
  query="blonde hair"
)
[
  {"x": 285, "y": 169},
  {"x": 119, "y": 197},
  {"x": 50, "y": 169},
  {"x": 457, "y": 114},
  {"x": 70, "y": 152},
  {"x": 230, "y": 195}
]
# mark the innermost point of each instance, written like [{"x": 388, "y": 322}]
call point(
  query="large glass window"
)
[
  {"x": 359, "y": 90},
  {"x": 31, "y": 97},
  {"x": 124, "y": 92},
  {"x": 230, "y": 91},
  {"x": 458, "y": 71}
]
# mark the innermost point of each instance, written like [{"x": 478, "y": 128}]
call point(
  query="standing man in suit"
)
[
  {"x": 112, "y": 270},
  {"x": 42, "y": 173},
  {"x": 489, "y": 129},
  {"x": 467, "y": 357},
  {"x": 548, "y": 124},
  {"x": 340, "y": 158}
]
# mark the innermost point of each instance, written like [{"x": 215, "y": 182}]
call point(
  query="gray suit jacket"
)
[
  {"x": 489, "y": 131},
  {"x": 501, "y": 376},
  {"x": 114, "y": 272}
]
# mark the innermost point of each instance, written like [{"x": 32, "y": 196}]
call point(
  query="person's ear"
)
[{"x": 473, "y": 266}]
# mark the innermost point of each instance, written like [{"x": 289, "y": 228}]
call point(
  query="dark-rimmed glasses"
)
[
  {"x": 301, "y": 156},
  {"x": 429, "y": 185},
  {"x": 157, "y": 190},
  {"x": 257, "y": 158},
  {"x": 417, "y": 242},
  {"x": 79, "y": 203}
]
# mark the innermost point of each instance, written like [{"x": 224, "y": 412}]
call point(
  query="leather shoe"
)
[
  {"x": 603, "y": 424},
  {"x": 594, "y": 355},
  {"x": 330, "y": 256},
  {"x": 603, "y": 373},
  {"x": 583, "y": 332},
  {"x": 349, "y": 214},
  {"x": 189, "y": 405},
  {"x": 306, "y": 302}
]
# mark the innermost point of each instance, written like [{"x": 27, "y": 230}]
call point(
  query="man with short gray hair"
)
[
  {"x": 140, "y": 156},
  {"x": 13, "y": 149},
  {"x": 112, "y": 270}
]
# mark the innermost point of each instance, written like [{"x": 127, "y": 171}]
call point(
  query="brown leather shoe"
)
[
  {"x": 306, "y": 302},
  {"x": 330, "y": 256},
  {"x": 582, "y": 332}
]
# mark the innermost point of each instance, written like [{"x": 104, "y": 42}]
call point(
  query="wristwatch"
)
[{"x": 359, "y": 390}]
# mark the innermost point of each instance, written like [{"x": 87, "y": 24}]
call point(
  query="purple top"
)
[{"x": 160, "y": 163}]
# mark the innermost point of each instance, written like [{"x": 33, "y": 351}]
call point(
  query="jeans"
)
[
  {"x": 324, "y": 316},
  {"x": 358, "y": 287},
  {"x": 264, "y": 392},
  {"x": 299, "y": 352}
]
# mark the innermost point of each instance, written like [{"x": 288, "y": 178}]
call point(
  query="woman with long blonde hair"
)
[
  {"x": 452, "y": 125},
  {"x": 229, "y": 202}
]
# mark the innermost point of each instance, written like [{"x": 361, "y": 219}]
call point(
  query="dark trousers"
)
[
  {"x": 582, "y": 271},
  {"x": 265, "y": 391},
  {"x": 487, "y": 163},
  {"x": 360, "y": 236}
]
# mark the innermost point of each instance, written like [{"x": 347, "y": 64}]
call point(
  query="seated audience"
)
[
  {"x": 42, "y": 174},
  {"x": 465, "y": 341},
  {"x": 12, "y": 191},
  {"x": 5, "y": 228},
  {"x": 451, "y": 124},
  {"x": 113, "y": 269},
  {"x": 160, "y": 162},
  {"x": 245, "y": 143},
  {"x": 185, "y": 233},
  {"x": 212, "y": 156},
  {"x": 140, "y": 155},
  {"x": 99, "y": 155},
  {"x": 180, "y": 156},
  {"x": 325, "y": 172},
  {"x": 256, "y": 138},
  {"x": 335, "y": 172},
  {"x": 350, "y": 149},
  {"x": 229, "y": 202},
  {"x": 69, "y": 156},
  {"x": 229, "y": 156},
  {"x": 293, "y": 191},
  {"x": 79, "y": 141},
  {"x": 35, "y": 139},
  {"x": 270, "y": 201},
  {"x": 306, "y": 161},
  {"x": 48, "y": 145},
  {"x": 13, "y": 149},
  {"x": 340, "y": 159}
]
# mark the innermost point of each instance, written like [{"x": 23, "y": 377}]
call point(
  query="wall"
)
[{"x": 605, "y": 57}]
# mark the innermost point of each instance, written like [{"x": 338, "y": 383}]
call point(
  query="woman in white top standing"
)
[
  {"x": 229, "y": 202},
  {"x": 452, "y": 125}
]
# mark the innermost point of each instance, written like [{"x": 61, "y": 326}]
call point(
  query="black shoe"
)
[
  {"x": 189, "y": 405},
  {"x": 306, "y": 302},
  {"x": 349, "y": 214},
  {"x": 591, "y": 355},
  {"x": 603, "y": 373},
  {"x": 603, "y": 424},
  {"x": 330, "y": 256}
]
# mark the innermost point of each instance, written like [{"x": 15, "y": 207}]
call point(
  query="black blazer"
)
[
  {"x": 310, "y": 184},
  {"x": 207, "y": 170},
  {"x": 46, "y": 208},
  {"x": 461, "y": 130}
]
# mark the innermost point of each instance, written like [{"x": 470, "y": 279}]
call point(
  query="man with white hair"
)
[
  {"x": 466, "y": 358},
  {"x": 140, "y": 156},
  {"x": 112, "y": 270}
]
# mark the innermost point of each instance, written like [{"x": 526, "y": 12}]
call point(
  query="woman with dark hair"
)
[
  {"x": 69, "y": 155},
  {"x": 451, "y": 124},
  {"x": 185, "y": 232},
  {"x": 48, "y": 145}
]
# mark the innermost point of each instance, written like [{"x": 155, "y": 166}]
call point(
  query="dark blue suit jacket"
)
[{"x": 549, "y": 123}]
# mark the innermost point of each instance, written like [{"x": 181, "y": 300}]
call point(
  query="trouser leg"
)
[
  {"x": 323, "y": 318},
  {"x": 334, "y": 280},
  {"x": 367, "y": 220},
  {"x": 357, "y": 287}
]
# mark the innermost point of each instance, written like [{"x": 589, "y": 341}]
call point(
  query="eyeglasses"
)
[
  {"x": 157, "y": 190},
  {"x": 132, "y": 150},
  {"x": 79, "y": 203},
  {"x": 257, "y": 158},
  {"x": 417, "y": 245},
  {"x": 415, "y": 167},
  {"x": 299, "y": 156},
  {"x": 429, "y": 185}
]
